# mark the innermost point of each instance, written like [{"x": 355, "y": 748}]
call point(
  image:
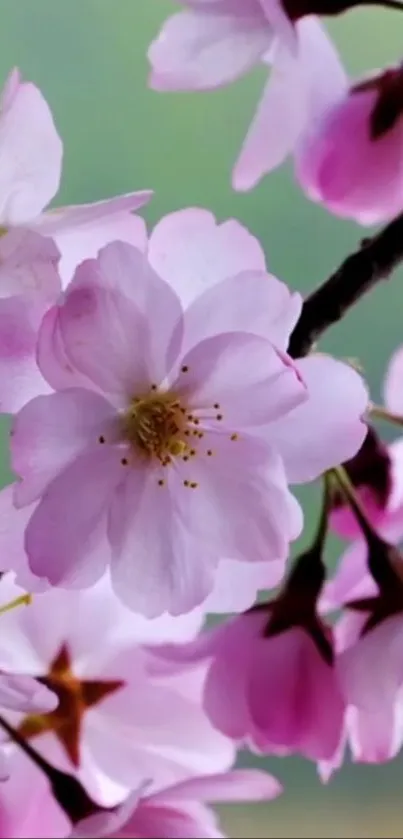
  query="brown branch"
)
[{"x": 358, "y": 274}]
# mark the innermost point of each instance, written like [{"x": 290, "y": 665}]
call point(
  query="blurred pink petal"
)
[
  {"x": 205, "y": 48},
  {"x": 30, "y": 153},
  {"x": 335, "y": 408},
  {"x": 350, "y": 165}
]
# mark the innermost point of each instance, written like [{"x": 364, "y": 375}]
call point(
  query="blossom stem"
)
[
  {"x": 359, "y": 273},
  {"x": 343, "y": 480},
  {"x": 379, "y": 412},
  {"x": 68, "y": 792}
]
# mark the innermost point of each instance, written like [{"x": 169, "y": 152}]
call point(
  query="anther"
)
[
  {"x": 196, "y": 421},
  {"x": 234, "y": 436},
  {"x": 192, "y": 452},
  {"x": 185, "y": 368},
  {"x": 200, "y": 434},
  {"x": 101, "y": 439},
  {"x": 185, "y": 457},
  {"x": 153, "y": 387},
  {"x": 161, "y": 482},
  {"x": 193, "y": 485},
  {"x": 209, "y": 452},
  {"x": 216, "y": 405},
  {"x": 124, "y": 461},
  {"x": 219, "y": 416},
  {"x": 186, "y": 483}
]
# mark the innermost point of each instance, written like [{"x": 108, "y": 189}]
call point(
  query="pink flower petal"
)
[
  {"x": 371, "y": 671},
  {"x": 196, "y": 50},
  {"x": 156, "y": 566},
  {"x": 20, "y": 377},
  {"x": 241, "y": 506},
  {"x": 29, "y": 282},
  {"x": 289, "y": 682},
  {"x": 301, "y": 86},
  {"x": 276, "y": 124},
  {"x": 238, "y": 785},
  {"x": 104, "y": 336},
  {"x": 226, "y": 698},
  {"x": 30, "y": 154},
  {"x": 328, "y": 427},
  {"x": 51, "y": 356},
  {"x": 29, "y": 265},
  {"x": 236, "y": 584},
  {"x": 12, "y": 550},
  {"x": 253, "y": 383},
  {"x": 22, "y": 693},
  {"x": 63, "y": 219},
  {"x": 251, "y": 301},
  {"x": 338, "y": 164},
  {"x": 190, "y": 821},
  {"x": 80, "y": 231},
  {"x": 192, "y": 252},
  {"x": 64, "y": 538},
  {"x": 128, "y": 271},
  {"x": 50, "y": 432}
]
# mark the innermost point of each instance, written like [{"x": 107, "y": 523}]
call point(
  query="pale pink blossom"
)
[
  {"x": 180, "y": 811},
  {"x": 220, "y": 452},
  {"x": 351, "y": 157},
  {"x": 210, "y": 44},
  {"x": 264, "y": 690},
  {"x": 100, "y": 659},
  {"x": 148, "y": 443}
]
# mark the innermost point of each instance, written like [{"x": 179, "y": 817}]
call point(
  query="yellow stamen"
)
[{"x": 22, "y": 600}]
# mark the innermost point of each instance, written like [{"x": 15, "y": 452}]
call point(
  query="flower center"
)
[{"x": 157, "y": 425}]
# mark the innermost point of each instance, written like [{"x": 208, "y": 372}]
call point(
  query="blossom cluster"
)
[{"x": 159, "y": 425}]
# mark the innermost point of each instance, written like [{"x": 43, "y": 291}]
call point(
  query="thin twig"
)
[{"x": 358, "y": 274}]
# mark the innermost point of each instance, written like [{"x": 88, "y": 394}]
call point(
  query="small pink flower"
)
[
  {"x": 351, "y": 158},
  {"x": 145, "y": 458},
  {"x": 210, "y": 44},
  {"x": 179, "y": 811},
  {"x": 266, "y": 690},
  {"x": 101, "y": 662}
]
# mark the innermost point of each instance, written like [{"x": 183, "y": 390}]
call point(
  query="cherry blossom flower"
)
[
  {"x": 210, "y": 44},
  {"x": 368, "y": 643},
  {"x": 160, "y": 419},
  {"x": 179, "y": 811},
  {"x": 172, "y": 442},
  {"x": 101, "y": 662},
  {"x": 351, "y": 158}
]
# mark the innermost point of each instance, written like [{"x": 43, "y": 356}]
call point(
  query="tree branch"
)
[{"x": 358, "y": 274}]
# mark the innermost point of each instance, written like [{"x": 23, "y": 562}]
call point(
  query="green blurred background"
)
[{"x": 89, "y": 58}]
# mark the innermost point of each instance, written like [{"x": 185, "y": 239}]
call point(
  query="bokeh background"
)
[{"x": 89, "y": 58}]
